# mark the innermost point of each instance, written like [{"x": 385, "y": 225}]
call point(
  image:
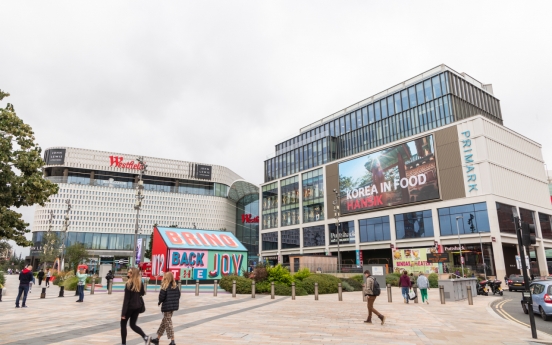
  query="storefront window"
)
[
  {"x": 546, "y": 225},
  {"x": 290, "y": 238},
  {"x": 473, "y": 260},
  {"x": 374, "y": 229},
  {"x": 313, "y": 196},
  {"x": 314, "y": 236},
  {"x": 506, "y": 214},
  {"x": 474, "y": 219},
  {"x": 290, "y": 201},
  {"x": 414, "y": 224},
  {"x": 270, "y": 240},
  {"x": 270, "y": 206},
  {"x": 346, "y": 232}
]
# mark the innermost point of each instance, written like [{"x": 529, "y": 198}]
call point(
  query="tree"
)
[
  {"x": 5, "y": 250},
  {"x": 75, "y": 253},
  {"x": 21, "y": 180},
  {"x": 51, "y": 244}
]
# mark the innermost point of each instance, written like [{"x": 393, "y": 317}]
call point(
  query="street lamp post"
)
[
  {"x": 472, "y": 227},
  {"x": 337, "y": 204},
  {"x": 65, "y": 228},
  {"x": 460, "y": 245},
  {"x": 138, "y": 204}
]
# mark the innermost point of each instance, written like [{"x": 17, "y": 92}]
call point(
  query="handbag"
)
[
  {"x": 143, "y": 308},
  {"x": 412, "y": 295}
]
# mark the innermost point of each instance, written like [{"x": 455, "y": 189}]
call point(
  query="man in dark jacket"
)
[
  {"x": 369, "y": 291},
  {"x": 25, "y": 278},
  {"x": 40, "y": 276},
  {"x": 405, "y": 284}
]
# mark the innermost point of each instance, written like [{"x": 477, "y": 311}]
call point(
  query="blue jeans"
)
[
  {"x": 404, "y": 291},
  {"x": 23, "y": 289},
  {"x": 80, "y": 291}
]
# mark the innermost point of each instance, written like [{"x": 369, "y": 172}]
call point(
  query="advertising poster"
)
[
  {"x": 397, "y": 175},
  {"x": 414, "y": 260},
  {"x": 138, "y": 251}
]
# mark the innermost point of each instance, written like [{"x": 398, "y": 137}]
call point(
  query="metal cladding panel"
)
[
  {"x": 449, "y": 164},
  {"x": 332, "y": 182},
  {"x": 513, "y": 185}
]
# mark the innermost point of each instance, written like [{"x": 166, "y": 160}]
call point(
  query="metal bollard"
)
[
  {"x": 253, "y": 289},
  {"x": 233, "y": 288},
  {"x": 316, "y": 291},
  {"x": 363, "y": 295},
  {"x": 339, "y": 292},
  {"x": 61, "y": 290},
  {"x": 145, "y": 286},
  {"x": 42, "y": 295},
  {"x": 197, "y": 288},
  {"x": 92, "y": 285},
  {"x": 215, "y": 288},
  {"x": 293, "y": 290},
  {"x": 442, "y": 293},
  {"x": 389, "y": 295},
  {"x": 470, "y": 297},
  {"x": 110, "y": 286},
  {"x": 179, "y": 284},
  {"x": 272, "y": 290},
  {"x": 415, "y": 288}
]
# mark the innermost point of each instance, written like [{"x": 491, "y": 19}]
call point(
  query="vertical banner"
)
[{"x": 138, "y": 257}]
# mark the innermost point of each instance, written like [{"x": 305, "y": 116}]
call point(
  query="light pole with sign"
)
[
  {"x": 337, "y": 204},
  {"x": 138, "y": 204},
  {"x": 460, "y": 245},
  {"x": 65, "y": 228}
]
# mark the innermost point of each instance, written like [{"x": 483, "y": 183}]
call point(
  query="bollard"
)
[
  {"x": 197, "y": 288},
  {"x": 293, "y": 290},
  {"x": 316, "y": 291},
  {"x": 470, "y": 297},
  {"x": 389, "y": 295},
  {"x": 145, "y": 286},
  {"x": 92, "y": 285},
  {"x": 0, "y": 295},
  {"x": 363, "y": 295},
  {"x": 442, "y": 293},
  {"x": 253, "y": 289},
  {"x": 339, "y": 292},
  {"x": 415, "y": 288},
  {"x": 110, "y": 286},
  {"x": 233, "y": 288},
  {"x": 272, "y": 290},
  {"x": 61, "y": 289},
  {"x": 179, "y": 284},
  {"x": 215, "y": 288},
  {"x": 42, "y": 295}
]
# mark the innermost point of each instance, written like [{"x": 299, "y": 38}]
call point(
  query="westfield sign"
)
[
  {"x": 118, "y": 162},
  {"x": 247, "y": 218}
]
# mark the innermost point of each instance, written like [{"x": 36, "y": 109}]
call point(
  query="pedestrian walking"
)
[
  {"x": 423, "y": 285},
  {"x": 33, "y": 281},
  {"x": 372, "y": 290},
  {"x": 109, "y": 278},
  {"x": 40, "y": 276},
  {"x": 48, "y": 277},
  {"x": 25, "y": 277},
  {"x": 81, "y": 276},
  {"x": 133, "y": 304},
  {"x": 169, "y": 298},
  {"x": 405, "y": 284}
]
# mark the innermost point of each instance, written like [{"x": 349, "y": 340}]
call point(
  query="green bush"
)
[
  {"x": 284, "y": 290},
  {"x": 359, "y": 278},
  {"x": 71, "y": 283},
  {"x": 393, "y": 279},
  {"x": 260, "y": 273},
  {"x": 262, "y": 287},
  {"x": 2, "y": 280},
  {"x": 326, "y": 283},
  {"x": 347, "y": 287},
  {"x": 98, "y": 280},
  {"x": 301, "y": 274},
  {"x": 243, "y": 285},
  {"x": 279, "y": 274},
  {"x": 433, "y": 279},
  {"x": 353, "y": 283}
]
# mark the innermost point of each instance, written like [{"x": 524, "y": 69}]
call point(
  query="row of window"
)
[{"x": 95, "y": 240}]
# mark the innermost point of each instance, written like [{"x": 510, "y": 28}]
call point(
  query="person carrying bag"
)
[
  {"x": 169, "y": 298},
  {"x": 133, "y": 305}
]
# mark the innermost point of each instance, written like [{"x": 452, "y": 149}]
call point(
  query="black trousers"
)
[{"x": 131, "y": 315}]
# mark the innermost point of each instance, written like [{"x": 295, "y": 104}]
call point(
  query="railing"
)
[{"x": 332, "y": 268}]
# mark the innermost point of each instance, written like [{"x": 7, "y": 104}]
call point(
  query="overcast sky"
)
[{"x": 223, "y": 82}]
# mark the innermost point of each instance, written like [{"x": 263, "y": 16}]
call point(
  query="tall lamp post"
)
[
  {"x": 138, "y": 204},
  {"x": 460, "y": 245},
  {"x": 337, "y": 204},
  {"x": 47, "y": 245},
  {"x": 65, "y": 228},
  {"x": 472, "y": 227}
]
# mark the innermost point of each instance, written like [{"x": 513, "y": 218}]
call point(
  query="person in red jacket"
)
[
  {"x": 405, "y": 283},
  {"x": 25, "y": 278}
]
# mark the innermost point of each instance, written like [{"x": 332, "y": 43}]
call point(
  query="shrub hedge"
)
[
  {"x": 392, "y": 278},
  {"x": 71, "y": 283},
  {"x": 302, "y": 274},
  {"x": 347, "y": 287},
  {"x": 243, "y": 285},
  {"x": 359, "y": 278},
  {"x": 433, "y": 280},
  {"x": 326, "y": 283},
  {"x": 353, "y": 283}
]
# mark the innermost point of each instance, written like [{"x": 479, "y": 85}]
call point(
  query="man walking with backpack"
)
[{"x": 372, "y": 290}]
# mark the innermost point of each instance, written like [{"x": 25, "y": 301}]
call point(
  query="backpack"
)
[{"x": 376, "y": 290}]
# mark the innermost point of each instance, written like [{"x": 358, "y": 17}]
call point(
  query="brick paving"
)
[{"x": 214, "y": 320}]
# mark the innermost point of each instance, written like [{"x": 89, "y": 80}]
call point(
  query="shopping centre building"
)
[
  {"x": 423, "y": 167},
  {"x": 101, "y": 187}
]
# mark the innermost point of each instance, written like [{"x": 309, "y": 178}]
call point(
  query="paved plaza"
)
[{"x": 206, "y": 319}]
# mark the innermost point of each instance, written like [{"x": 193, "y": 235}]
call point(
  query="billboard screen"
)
[{"x": 397, "y": 175}]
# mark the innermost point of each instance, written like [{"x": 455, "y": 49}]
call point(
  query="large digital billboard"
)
[{"x": 401, "y": 174}]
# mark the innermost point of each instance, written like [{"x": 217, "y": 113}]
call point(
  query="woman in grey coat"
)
[{"x": 423, "y": 285}]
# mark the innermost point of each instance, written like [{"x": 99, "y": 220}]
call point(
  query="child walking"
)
[{"x": 169, "y": 298}]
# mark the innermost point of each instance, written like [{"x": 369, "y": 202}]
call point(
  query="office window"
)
[
  {"x": 346, "y": 232},
  {"x": 414, "y": 224},
  {"x": 377, "y": 110},
  {"x": 428, "y": 90},
  {"x": 269, "y": 240},
  {"x": 313, "y": 196},
  {"x": 390, "y": 106},
  {"x": 397, "y": 99},
  {"x": 371, "y": 114},
  {"x": 290, "y": 239},
  {"x": 374, "y": 229},
  {"x": 383, "y": 103},
  {"x": 506, "y": 215},
  {"x": 360, "y": 116},
  {"x": 412, "y": 96},
  {"x": 270, "y": 205},
  {"x": 314, "y": 236},
  {"x": 436, "y": 86},
  {"x": 404, "y": 100},
  {"x": 290, "y": 201},
  {"x": 420, "y": 93},
  {"x": 546, "y": 225},
  {"x": 474, "y": 218}
]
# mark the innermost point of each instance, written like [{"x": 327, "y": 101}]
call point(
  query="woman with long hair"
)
[
  {"x": 169, "y": 297},
  {"x": 133, "y": 304}
]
